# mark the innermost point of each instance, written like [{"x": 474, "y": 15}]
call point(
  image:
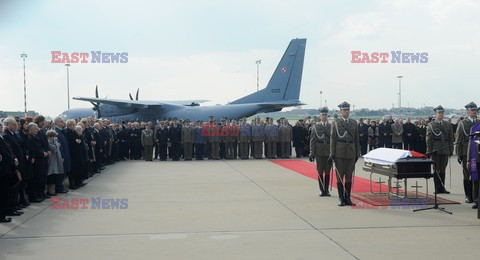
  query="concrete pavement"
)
[{"x": 233, "y": 209}]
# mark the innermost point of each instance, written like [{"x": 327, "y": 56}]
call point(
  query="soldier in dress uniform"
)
[
  {"x": 229, "y": 138},
  {"x": 148, "y": 140},
  {"x": 235, "y": 128},
  {"x": 257, "y": 139},
  {"x": 188, "y": 137},
  {"x": 320, "y": 150},
  {"x": 363, "y": 133},
  {"x": 244, "y": 137},
  {"x": 286, "y": 136},
  {"x": 272, "y": 139},
  {"x": 344, "y": 151},
  {"x": 222, "y": 138},
  {"x": 214, "y": 139},
  {"x": 439, "y": 147},
  {"x": 462, "y": 140},
  {"x": 200, "y": 140}
]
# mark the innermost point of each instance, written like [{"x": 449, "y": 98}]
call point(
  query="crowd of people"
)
[{"x": 38, "y": 156}]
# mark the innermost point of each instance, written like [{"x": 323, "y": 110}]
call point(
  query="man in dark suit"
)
[
  {"x": 175, "y": 133},
  {"x": 98, "y": 140},
  {"x": 363, "y": 133},
  {"x": 64, "y": 150},
  {"x": 14, "y": 141},
  {"x": 8, "y": 166},
  {"x": 161, "y": 139},
  {"x": 409, "y": 135}
]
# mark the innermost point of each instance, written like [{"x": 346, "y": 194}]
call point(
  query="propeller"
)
[
  {"x": 136, "y": 96},
  {"x": 96, "y": 105}
]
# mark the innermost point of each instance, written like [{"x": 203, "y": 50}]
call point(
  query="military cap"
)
[
  {"x": 187, "y": 121},
  {"x": 439, "y": 109},
  {"x": 471, "y": 106},
  {"x": 344, "y": 105},
  {"x": 324, "y": 110}
]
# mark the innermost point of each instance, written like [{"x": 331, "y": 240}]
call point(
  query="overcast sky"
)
[{"x": 207, "y": 50}]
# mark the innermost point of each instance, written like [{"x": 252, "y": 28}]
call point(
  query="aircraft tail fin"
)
[{"x": 284, "y": 85}]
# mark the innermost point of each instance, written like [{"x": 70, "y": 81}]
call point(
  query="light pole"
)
[
  {"x": 321, "y": 92},
  {"x": 24, "y": 56},
  {"x": 68, "y": 85},
  {"x": 399, "y": 91},
  {"x": 326, "y": 103},
  {"x": 258, "y": 62}
]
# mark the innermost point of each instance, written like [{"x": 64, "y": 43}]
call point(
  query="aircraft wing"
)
[{"x": 126, "y": 103}]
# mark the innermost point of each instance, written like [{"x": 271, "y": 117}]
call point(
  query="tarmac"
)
[{"x": 233, "y": 209}]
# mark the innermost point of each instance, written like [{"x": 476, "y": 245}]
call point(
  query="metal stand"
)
[{"x": 435, "y": 205}]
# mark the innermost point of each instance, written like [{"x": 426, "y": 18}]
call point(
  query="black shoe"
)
[
  {"x": 468, "y": 200},
  {"x": 5, "y": 220},
  {"x": 327, "y": 194},
  {"x": 14, "y": 213},
  {"x": 322, "y": 194},
  {"x": 475, "y": 205},
  {"x": 62, "y": 191},
  {"x": 35, "y": 200},
  {"x": 47, "y": 196}
]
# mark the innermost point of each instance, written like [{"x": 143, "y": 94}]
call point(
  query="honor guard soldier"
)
[
  {"x": 188, "y": 136},
  {"x": 271, "y": 137},
  {"x": 244, "y": 137},
  {"x": 344, "y": 151},
  {"x": 462, "y": 139},
  {"x": 439, "y": 147},
  {"x": 257, "y": 139},
  {"x": 320, "y": 150},
  {"x": 214, "y": 139},
  {"x": 229, "y": 137},
  {"x": 200, "y": 140}
]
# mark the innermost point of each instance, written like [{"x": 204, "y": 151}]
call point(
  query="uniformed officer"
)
[
  {"x": 272, "y": 138},
  {"x": 244, "y": 136},
  {"x": 214, "y": 139},
  {"x": 257, "y": 139},
  {"x": 320, "y": 150},
  {"x": 462, "y": 140},
  {"x": 229, "y": 137},
  {"x": 344, "y": 151},
  {"x": 188, "y": 136},
  {"x": 285, "y": 136},
  {"x": 439, "y": 147}
]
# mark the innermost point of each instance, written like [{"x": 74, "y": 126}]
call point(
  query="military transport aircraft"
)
[{"x": 283, "y": 90}]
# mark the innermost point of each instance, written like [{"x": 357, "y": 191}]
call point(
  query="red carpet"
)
[
  {"x": 361, "y": 186},
  {"x": 310, "y": 170}
]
